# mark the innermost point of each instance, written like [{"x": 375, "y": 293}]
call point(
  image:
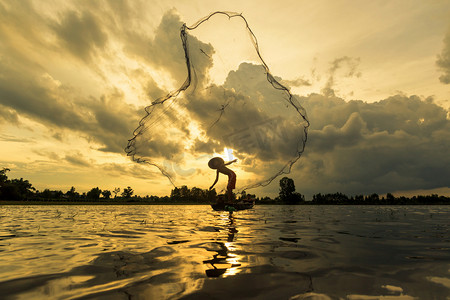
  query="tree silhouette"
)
[
  {"x": 287, "y": 188},
  {"x": 116, "y": 191},
  {"x": 72, "y": 194},
  {"x": 94, "y": 193},
  {"x": 127, "y": 192},
  {"x": 106, "y": 194},
  {"x": 287, "y": 192},
  {"x": 3, "y": 176},
  {"x": 15, "y": 189}
]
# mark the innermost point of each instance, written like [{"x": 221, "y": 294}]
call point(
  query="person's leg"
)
[
  {"x": 231, "y": 185},
  {"x": 230, "y": 195}
]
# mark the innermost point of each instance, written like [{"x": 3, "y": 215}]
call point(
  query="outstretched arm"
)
[
  {"x": 215, "y": 181},
  {"x": 230, "y": 162}
]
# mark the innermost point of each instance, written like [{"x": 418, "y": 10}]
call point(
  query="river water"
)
[{"x": 193, "y": 252}]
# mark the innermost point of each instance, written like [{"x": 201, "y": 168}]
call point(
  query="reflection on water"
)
[
  {"x": 225, "y": 262},
  {"x": 192, "y": 252}
]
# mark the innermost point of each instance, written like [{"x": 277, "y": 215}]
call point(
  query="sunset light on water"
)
[{"x": 191, "y": 252}]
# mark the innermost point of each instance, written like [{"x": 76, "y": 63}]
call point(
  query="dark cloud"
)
[
  {"x": 443, "y": 60},
  {"x": 160, "y": 145},
  {"x": 27, "y": 89},
  {"x": 164, "y": 49},
  {"x": 133, "y": 170},
  {"x": 115, "y": 120},
  {"x": 38, "y": 95},
  {"x": 77, "y": 159},
  {"x": 108, "y": 120},
  {"x": 8, "y": 115},
  {"x": 58, "y": 136},
  {"x": 152, "y": 89},
  {"x": 206, "y": 147},
  {"x": 47, "y": 154},
  {"x": 331, "y": 136},
  {"x": 81, "y": 34},
  {"x": 399, "y": 143}
]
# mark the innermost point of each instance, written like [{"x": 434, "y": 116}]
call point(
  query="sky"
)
[{"x": 372, "y": 76}]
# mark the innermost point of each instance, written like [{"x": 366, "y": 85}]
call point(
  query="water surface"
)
[{"x": 192, "y": 252}]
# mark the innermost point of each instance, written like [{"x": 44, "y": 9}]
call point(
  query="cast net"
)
[{"x": 230, "y": 105}]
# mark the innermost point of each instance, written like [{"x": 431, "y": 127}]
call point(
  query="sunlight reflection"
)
[
  {"x": 234, "y": 261},
  {"x": 226, "y": 262}
]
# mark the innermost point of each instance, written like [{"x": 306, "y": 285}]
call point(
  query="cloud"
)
[
  {"x": 164, "y": 49},
  {"x": 331, "y": 136},
  {"x": 246, "y": 114},
  {"x": 77, "y": 159},
  {"x": 52, "y": 156},
  {"x": 352, "y": 70},
  {"x": 133, "y": 170},
  {"x": 29, "y": 88},
  {"x": 297, "y": 82},
  {"x": 37, "y": 95},
  {"x": 443, "y": 60},
  {"x": 115, "y": 120},
  {"x": 108, "y": 120},
  {"x": 8, "y": 115},
  {"x": 151, "y": 88},
  {"x": 399, "y": 143},
  {"x": 81, "y": 34},
  {"x": 23, "y": 29},
  {"x": 15, "y": 139}
]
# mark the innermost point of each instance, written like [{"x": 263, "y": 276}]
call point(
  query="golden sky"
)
[{"x": 373, "y": 76}]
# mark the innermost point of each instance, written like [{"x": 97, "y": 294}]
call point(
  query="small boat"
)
[{"x": 241, "y": 205}]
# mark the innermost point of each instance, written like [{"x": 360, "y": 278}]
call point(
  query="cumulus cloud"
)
[
  {"x": 443, "y": 60},
  {"x": 399, "y": 143},
  {"x": 246, "y": 114}
]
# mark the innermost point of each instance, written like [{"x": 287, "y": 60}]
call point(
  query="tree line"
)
[{"x": 20, "y": 189}]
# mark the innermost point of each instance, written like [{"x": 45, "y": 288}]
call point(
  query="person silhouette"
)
[{"x": 217, "y": 163}]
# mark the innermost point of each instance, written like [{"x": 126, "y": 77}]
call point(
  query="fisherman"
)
[{"x": 217, "y": 163}]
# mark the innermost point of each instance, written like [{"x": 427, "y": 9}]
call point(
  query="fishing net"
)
[{"x": 230, "y": 106}]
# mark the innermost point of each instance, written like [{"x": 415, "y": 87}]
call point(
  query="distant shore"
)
[
  {"x": 21, "y": 192},
  {"x": 58, "y": 202}
]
